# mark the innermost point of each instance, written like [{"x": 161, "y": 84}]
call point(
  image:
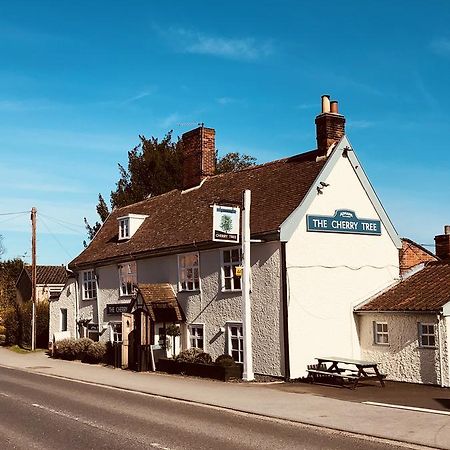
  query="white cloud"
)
[
  {"x": 169, "y": 121},
  {"x": 189, "y": 41},
  {"x": 361, "y": 124}
]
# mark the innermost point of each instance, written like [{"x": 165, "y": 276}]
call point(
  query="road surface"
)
[{"x": 41, "y": 412}]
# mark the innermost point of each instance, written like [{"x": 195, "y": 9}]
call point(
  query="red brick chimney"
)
[
  {"x": 199, "y": 155},
  {"x": 443, "y": 244},
  {"x": 330, "y": 125}
]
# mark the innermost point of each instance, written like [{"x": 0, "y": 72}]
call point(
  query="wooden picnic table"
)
[{"x": 344, "y": 369}]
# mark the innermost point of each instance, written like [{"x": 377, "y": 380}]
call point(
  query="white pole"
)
[{"x": 248, "y": 374}]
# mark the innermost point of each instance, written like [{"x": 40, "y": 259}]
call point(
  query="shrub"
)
[
  {"x": 66, "y": 349},
  {"x": 11, "y": 321},
  {"x": 225, "y": 361},
  {"x": 95, "y": 353},
  {"x": 194, "y": 355},
  {"x": 2, "y": 329},
  {"x": 82, "y": 347}
]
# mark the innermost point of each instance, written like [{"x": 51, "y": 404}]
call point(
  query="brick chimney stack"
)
[
  {"x": 443, "y": 244},
  {"x": 199, "y": 155},
  {"x": 330, "y": 125}
]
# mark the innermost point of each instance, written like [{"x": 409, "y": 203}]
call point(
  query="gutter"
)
[{"x": 284, "y": 301}]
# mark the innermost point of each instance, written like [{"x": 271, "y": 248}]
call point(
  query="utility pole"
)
[
  {"x": 248, "y": 374},
  {"x": 33, "y": 277}
]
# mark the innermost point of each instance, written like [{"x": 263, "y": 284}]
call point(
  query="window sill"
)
[
  {"x": 428, "y": 347},
  {"x": 224, "y": 291},
  {"x": 89, "y": 299},
  {"x": 380, "y": 344},
  {"x": 186, "y": 291}
]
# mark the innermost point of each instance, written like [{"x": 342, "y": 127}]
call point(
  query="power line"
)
[
  {"x": 55, "y": 238},
  {"x": 62, "y": 224},
  {"x": 12, "y": 213}
]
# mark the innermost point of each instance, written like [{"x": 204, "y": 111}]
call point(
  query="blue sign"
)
[{"x": 343, "y": 221}]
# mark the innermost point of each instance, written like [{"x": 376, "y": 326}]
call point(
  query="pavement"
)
[{"x": 283, "y": 401}]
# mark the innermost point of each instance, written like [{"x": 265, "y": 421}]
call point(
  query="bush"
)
[
  {"x": 2, "y": 329},
  {"x": 95, "y": 353},
  {"x": 194, "y": 355},
  {"x": 82, "y": 347},
  {"x": 11, "y": 321},
  {"x": 225, "y": 361},
  {"x": 66, "y": 349}
]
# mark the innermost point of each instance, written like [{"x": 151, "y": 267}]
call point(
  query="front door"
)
[{"x": 127, "y": 329}]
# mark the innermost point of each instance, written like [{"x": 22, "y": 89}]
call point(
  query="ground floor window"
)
[
  {"x": 116, "y": 332},
  {"x": 427, "y": 336},
  {"x": 381, "y": 333},
  {"x": 63, "y": 319},
  {"x": 236, "y": 341},
  {"x": 196, "y": 336}
]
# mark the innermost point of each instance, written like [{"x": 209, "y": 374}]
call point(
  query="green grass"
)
[{"x": 17, "y": 349}]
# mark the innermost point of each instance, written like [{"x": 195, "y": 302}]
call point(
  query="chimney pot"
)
[
  {"x": 334, "y": 107},
  {"x": 325, "y": 104},
  {"x": 447, "y": 229}
]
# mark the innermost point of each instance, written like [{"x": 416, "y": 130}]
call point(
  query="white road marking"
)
[
  {"x": 3, "y": 394},
  {"x": 87, "y": 422},
  {"x": 409, "y": 408}
]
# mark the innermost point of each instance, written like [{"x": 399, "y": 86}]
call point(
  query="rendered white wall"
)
[
  {"x": 66, "y": 300},
  {"x": 329, "y": 273},
  {"x": 403, "y": 359}
]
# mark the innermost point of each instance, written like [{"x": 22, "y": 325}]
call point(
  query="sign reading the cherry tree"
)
[{"x": 226, "y": 223}]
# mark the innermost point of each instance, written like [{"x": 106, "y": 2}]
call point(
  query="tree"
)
[
  {"x": 2, "y": 247},
  {"x": 155, "y": 167}
]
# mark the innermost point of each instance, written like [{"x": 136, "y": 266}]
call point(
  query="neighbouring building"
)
[
  {"x": 50, "y": 281},
  {"x": 323, "y": 245},
  {"x": 406, "y": 328}
]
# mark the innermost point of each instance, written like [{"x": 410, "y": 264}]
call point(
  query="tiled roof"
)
[
  {"x": 181, "y": 219},
  {"x": 427, "y": 290},
  {"x": 49, "y": 274},
  {"x": 162, "y": 302},
  {"x": 413, "y": 253}
]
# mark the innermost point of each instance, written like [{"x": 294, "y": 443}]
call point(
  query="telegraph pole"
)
[
  {"x": 248, "y": 374},
  {"x": 33, "y": 277}
]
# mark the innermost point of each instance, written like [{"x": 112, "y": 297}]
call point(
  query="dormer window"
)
[
  {"x": 129, "y": 224},
  {"x": 124, "y": 228}
]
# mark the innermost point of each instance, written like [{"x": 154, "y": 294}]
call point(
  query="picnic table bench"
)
[{"x": 342, "y": 370}]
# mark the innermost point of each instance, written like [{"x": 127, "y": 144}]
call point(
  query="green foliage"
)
[
  {"x": 155, "y": 167},
  {"x": 173, "y": 330},
  {"x": 11, "y": 323},
  {"x": 194, "y": 355},
  {"x": 226, "y": 223},
  {"x": 84, "y": 349},
  {"x": 9, "y": 272},
  {"x": 225, "y": 361}
]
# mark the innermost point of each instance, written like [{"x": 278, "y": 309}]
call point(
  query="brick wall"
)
[
  {"x": 412, "y": 254},
  {"x": 329, "y": 129},
  {"x": 199, "y": 156}
]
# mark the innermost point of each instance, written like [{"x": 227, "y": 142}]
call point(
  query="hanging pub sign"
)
[
  {"x": 343, "y": 221},
  {"x": 226, "y": 223},
  {"x": 92, "y": 326},
  {"x": 116, "y": 308}
]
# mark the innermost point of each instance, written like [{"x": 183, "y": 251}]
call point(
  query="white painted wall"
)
[
  {"x": 67, "y": 299},
  {"x": 403, "y": 359},
  {"x": 329, "y": 273}
]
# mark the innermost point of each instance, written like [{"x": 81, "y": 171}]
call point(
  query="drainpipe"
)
[
  {"x": 77, "y": 317},
  {"x": 98, "y": 303},
  {"x": 441, "y": 364},
  {"x": 284, "y": 301}
]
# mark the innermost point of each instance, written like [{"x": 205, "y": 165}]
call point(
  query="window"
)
[
  {"x": 381, "y": 335},
  {"x": 236, "y": 342},
  {"x": 127, "y": 278},
  {"x": 230, "y": 260},
  {"x": 63, "y": 319},
  {"x": 124, "y": 228},
  {"x": 188, "y": 272},
  {"x": 196, "y": 336},
  {"x": 116, "y": 332},
  {"x": 89, "y": 290},
  {"x": 427, "y": 336}
]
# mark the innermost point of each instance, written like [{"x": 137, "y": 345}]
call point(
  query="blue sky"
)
[{"x": 79, "y": 81}]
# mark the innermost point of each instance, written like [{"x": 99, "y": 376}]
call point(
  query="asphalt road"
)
[{"x": 40, "y": 412}]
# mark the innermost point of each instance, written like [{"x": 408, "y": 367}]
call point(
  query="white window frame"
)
[
  {"x": 194, "y": 336},
  {"x": 88, "y": 285},
  {"x": 113, "y": 333},
  {"x": 128, "y": 291},
  {"x": 379, "y": 333},
  {"x": 232, "y": 265},
  {"x": 61, "y": 315},
  {"x": 427, "y": 334},
  {"x": 240, "y": 340},
  {"x": 124, "y": 228},
  {"x": 183, "y": 280}
]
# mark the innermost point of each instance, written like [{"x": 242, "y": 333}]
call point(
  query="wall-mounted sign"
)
[
  {"x": 343, "y": 221},
  {"x": 116, "y": 308},
  {"x": 92, "y": 326},
  {"x": 226, "y": 223}
]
